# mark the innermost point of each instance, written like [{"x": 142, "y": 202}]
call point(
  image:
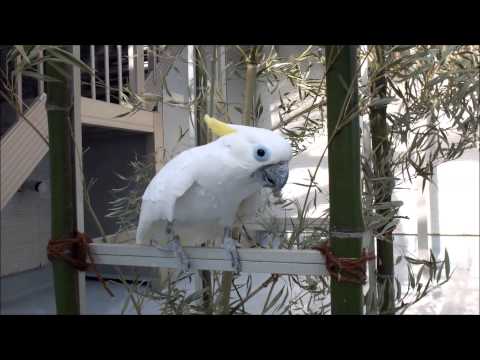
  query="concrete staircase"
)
[{"x": 22, "y": 149}]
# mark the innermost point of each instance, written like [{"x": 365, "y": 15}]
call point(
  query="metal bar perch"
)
[{"x": 283, "y": 261}]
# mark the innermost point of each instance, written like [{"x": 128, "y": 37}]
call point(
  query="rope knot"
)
[
  {"x": 351, "y": 270},
  {"x": 75, "y": 251}
]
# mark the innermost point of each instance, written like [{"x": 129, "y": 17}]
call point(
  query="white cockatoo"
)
[{"x": 194, "y": 198}]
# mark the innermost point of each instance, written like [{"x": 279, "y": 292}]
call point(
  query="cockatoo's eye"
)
[{"x": 261, "y": 153}]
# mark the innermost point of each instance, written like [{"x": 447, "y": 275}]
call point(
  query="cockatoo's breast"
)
[
  {"x": 214, "y": 202},
  {"x": 220, "y": 185}
]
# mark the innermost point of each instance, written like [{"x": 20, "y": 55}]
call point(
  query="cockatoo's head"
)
[{"x": 261, "y": 152}]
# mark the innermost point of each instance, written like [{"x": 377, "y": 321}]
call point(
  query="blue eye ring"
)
[{"x": 261, "y": 153}]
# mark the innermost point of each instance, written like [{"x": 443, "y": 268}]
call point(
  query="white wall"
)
[
  {"x": 25, "y": 227},
  {"x": 457, "y": 195},
  {"x": 447, "y": 206}
]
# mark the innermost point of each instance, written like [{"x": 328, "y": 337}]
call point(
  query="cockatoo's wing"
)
[{"x": 158, "y": 202}]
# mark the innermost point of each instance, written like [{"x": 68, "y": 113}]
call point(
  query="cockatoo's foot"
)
[
  {"x": 182, "y": 258},
  {"x": 230, "y": 246}
]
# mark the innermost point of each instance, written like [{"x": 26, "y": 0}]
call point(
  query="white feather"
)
[{"x": 201, "y": 188}]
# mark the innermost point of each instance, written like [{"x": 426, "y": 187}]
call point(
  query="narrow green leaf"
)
[
  {"x": 280, "y": 306},
  {"x": 38, "y": 76},
  {"x": 22, "y": 52},
  {"x": 439, "y": 275},
  {"x": 274, "y": 301},
  {"x": 398, "y": 259},
  {"x": 67, "y": 57},
  {"x": 419, "y": 275},
  {"x": 399, "y": 289},
  {"x": 447, "y": 264},
  {"x": 382, "y": 102},
  {"x": 411, "y": 278},
  {"x": 419, "y": 287}
]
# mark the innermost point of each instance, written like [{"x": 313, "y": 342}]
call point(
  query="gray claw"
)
[
  {"x": 182, "y": 258},
  {"x": 232, "y": 254}
]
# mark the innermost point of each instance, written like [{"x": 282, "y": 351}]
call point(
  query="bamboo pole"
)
[
  {"x": 227, "y": 276},
  {"x": 382, "y": 168},
  {"x": 250, "y": 89},
  {"x": 344, "y": 172},
  {"x": 62, "y": 180},
  {"x": 200, "y": 80},
  {"x": 203, "y": 137},
  {"x": 249, "y": 120}
]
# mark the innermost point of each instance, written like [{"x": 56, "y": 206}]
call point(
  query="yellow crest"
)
[{"x": 219, "y": 128}]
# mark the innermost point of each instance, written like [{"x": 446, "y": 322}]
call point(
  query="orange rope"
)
[
  {"x": 345, "y": 269},
  {"x": 75, "y": 251}
]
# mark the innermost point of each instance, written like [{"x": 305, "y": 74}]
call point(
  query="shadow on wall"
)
[{"x": 108, "y": 152}]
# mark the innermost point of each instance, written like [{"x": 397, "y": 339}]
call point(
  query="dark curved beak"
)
[{"x": 275, "y": 176}]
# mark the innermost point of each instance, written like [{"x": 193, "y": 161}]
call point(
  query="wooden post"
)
[
  {"x": 19, "y": 88},
  {"x": 155, "y": 148},
  {"x": 346, "y": 223},
  {"x": 62, "y": 180},
  {"x": 136, "y": 68},
  {"x": 79, "y": 180},
  {"x": 119, "y": 73},
  {"x": 41, "y": 84},
  {"x": 107, "y": 72},
  {"x": 77, "y": 121},
  {"x": 139, "y": 70},
  {"x": 158, "y": 137},
  {"x": 151, "y": 58},
  {"x": 131, "y": 68},
  {"x": 93, "y": 81}
]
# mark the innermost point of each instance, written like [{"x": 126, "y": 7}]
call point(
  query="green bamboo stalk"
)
[
  {"x": 203, "y": 137},
  {"x": 201, "y": 108},
  {"x": 250, "y": 89},
  {"x": 382, "y": 168},
  {"x": 62, "y": 180},
  {"x": 248, "y": 119},
  {"x": 344, "y": 172},
  {"x": 213, "y": 69},
  {"x": 225, "y": 289}
]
